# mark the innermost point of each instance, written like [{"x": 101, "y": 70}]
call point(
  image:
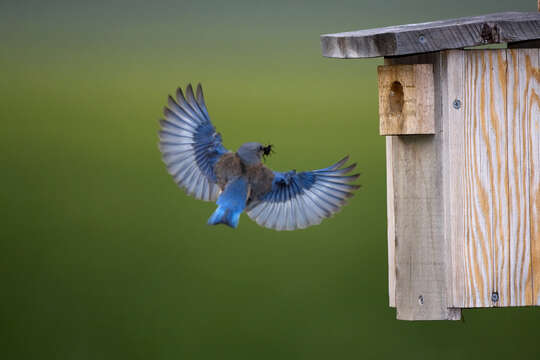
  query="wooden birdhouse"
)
[{"x": 462, "y": 129}]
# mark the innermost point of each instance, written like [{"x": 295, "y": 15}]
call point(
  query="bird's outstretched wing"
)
[
  {"x": 190, "y": 144},
  {"x": 299, "y": 200}
]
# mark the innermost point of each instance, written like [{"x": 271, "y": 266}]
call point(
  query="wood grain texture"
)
[
  {"x": 486, "y": 177},
  {"x": 391, "y": 224},
  {"x": 433, "y": 36},
  {"x": 420, "y": 248},
  {"x": 498, "y": 176},
  {"x": 420, "y": 266},
  {"x": 501, "y": 221},
  {"x": 406, "y": 99},
  {"x": 478, "y": 244},
  {"x": 464, "y": 203},
  {"x": 518, "y": 169},
  {"x": 453, "y": 119},
  {"x": 530, "y": 106}
]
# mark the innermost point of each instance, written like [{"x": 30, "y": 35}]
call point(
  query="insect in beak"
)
[{"x": 267, "y": 150}]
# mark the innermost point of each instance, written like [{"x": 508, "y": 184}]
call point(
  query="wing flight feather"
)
[
  {"x": 299, "y": 200},
  {"x": 190, "y": 145}
]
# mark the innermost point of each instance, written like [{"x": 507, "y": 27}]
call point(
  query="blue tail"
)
[{"x": 230, "y": 203}]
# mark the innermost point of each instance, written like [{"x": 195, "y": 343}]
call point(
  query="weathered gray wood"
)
[
  {"x": 433, "y": 36},
  {"x": 420, "y": 242},
  {"x": 453, "y": 117},
  {"x": 391, "y": 224}
]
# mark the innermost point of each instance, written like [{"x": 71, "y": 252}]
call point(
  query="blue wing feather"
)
[
  {"x": 299, "y": 200},
  {"x": 190, "y": 144}
]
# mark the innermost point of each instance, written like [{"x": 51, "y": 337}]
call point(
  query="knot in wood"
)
[{"x": 490, "y": 33}]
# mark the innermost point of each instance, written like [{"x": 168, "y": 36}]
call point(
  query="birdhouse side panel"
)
[
  {"x": 417, "y": 244},
  {"x": 499, "y": 182},
  {"x": 529, "y": 83},
  {"x": 519, "y": 183}
]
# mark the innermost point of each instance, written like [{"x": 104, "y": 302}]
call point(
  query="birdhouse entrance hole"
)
[{"x": 395, "y": 98}]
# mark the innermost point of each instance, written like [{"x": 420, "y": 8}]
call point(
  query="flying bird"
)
[{"x": 238, "y": 181}]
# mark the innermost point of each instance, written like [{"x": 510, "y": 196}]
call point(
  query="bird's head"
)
[{"x": 252, "y": 152}]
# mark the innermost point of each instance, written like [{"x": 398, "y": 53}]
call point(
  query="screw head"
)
[
  {"x": 456, "y": 104},
  {"x": 494, "y": 296},
  {"x": 422, "y": 39}
]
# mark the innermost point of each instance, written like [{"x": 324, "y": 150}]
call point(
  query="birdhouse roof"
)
[{"x": 433, "y": 36}]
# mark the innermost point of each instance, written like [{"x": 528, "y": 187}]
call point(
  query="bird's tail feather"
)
[
  {"x": 225, "y": 216},
  {"x": 231, "y": 203}
]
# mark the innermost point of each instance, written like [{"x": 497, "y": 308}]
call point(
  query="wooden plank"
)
[
  {"x": 420, "y": 278},
  {"x": 391, "y": 224},
  {"x": 518, "y": 169},
  {"x": 501, "y": 104},
  {"x": 478, "y": 181},
  {"x": 433, "y": 36},
  {"x": 420, "y": 249},
  {"x": 477, "y": 219},
  {"x": 498, "y": 175},
  {"x": 486, "y": 169},
  {"x": 530, "y": 78},
  {"x": 406, "y": 99},
  {"x": 452, "y": 89}
]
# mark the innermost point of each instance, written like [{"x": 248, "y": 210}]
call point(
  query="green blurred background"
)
[{"x": 103, "y": 257}]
